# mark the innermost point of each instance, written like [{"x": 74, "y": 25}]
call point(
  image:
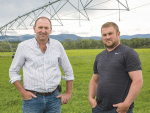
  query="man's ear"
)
[
  {"x": 118, "y": 33},
  {"x": 34, "y": 29},
  {"x": 50, "y": 30}
]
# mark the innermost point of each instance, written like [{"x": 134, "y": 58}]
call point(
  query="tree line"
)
[
  {"x": 98, "y": 44},
  {"x": 84, "y": 44},
  {"x": 4, "y": 46}
]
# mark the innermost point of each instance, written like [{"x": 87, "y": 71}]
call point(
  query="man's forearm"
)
[
  {"x": 92, "y": 89},
  {"x": 133, "y": 92},
  {"x": 25, "y": 94},
  {"x": 69, "y": 85},
  {"x": 136, "y": 85},
  {"x": 19, "y": 87}
]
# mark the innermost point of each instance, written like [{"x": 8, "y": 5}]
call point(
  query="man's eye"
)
[
  {"x": 40, "y": 27},
  {"x": 110, "y": 33}
]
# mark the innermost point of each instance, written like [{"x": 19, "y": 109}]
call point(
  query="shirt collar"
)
[{"x": 36, "y": 43}]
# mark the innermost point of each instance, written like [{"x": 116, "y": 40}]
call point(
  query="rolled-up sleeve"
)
[
  {"x": 66, "y": 65},
  {"x": 16, "y": 65}
]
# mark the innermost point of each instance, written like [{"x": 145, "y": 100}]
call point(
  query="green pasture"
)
[{"x": 82, "y": 63}]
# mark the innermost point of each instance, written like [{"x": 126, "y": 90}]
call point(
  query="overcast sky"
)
[{"x": 135, "y": 21}]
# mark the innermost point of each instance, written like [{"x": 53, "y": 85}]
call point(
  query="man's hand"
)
[
  {"x": 122, "y": 107},
  {"x": 92, "y": 102},
  {"x": 64, "y": 98},
  {"x": 26, "y": 95}
]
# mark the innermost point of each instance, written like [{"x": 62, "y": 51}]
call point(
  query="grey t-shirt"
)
[{"x": 113, "y": 78}]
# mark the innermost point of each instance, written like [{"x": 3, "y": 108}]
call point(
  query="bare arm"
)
[
  {"x": 134, "y": 90},
  {"x": 93, "y": 90},
  {"x": 66, "y": 96},
  {"x": 25, "y": 94},
  {"x": 69, "y": 85}
]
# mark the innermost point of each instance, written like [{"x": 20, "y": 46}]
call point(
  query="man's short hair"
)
[
  {"x": 110, "y": 24},
  {"x": 43, "y": 18}
]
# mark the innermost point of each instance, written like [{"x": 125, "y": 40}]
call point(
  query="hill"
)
[{"x": 62, "y": 37}]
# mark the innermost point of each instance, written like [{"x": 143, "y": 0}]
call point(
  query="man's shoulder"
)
[
  {"x": 55, "y": 42},
  {"x": 122, "y": 48},
  {"x": 101, "y": 53},
  {"x": 26, "y": 41},
  {"x": 126, "y": 48},
  {"x": 128, "y": 52}
]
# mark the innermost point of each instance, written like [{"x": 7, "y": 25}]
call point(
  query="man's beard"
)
[{"x": 112, "y": 45}]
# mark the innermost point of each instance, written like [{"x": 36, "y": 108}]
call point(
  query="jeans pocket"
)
[
  {"x": 95, "y": 110},
  {"x": 56, "y": 93},
  {"x": 27, "y": 103},
  {"x": 34, "y": 105},
  {"x": 29, "y": 99}
]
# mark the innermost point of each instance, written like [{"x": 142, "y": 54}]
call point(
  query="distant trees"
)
[
  {"x": 4, "y": 47},
  {"x": 98, "y": 44},
  {"x": 82, "y": 44},
  {"x": 85, "y": 44},
  {"x": 136, "y": 42}
]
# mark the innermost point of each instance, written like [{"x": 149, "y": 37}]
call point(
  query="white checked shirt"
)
[{"x": 41, "y": 71}]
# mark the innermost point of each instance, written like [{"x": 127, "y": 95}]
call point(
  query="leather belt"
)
[{"x": 44, "y": 94}]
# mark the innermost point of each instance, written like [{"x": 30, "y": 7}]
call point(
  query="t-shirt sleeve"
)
[
  {"x": 95, "y": 71},
  {"x": 133, "y": 62}
]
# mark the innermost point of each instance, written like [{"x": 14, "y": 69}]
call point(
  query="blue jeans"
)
[
  {"x": 97, "y": 110},
  {"x": 43, "y": 104}
]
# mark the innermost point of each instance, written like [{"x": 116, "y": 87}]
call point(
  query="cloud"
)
[
  {"x": 81, "y": 33},
  {"x": 134, "y": 21},
  {"x": 64, "y": 32}
]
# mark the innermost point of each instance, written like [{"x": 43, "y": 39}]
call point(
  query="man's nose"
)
[
  {"x": 43, "y": 30},
  {"x": 107, "y": 36}
]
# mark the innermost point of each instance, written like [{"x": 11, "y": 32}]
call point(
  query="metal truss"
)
[{"x": 55, "y": 11}]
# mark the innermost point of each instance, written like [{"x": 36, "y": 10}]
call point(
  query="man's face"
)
[
  {"x": 110, "y": 37},
  {"x": 42, "y": 30}
]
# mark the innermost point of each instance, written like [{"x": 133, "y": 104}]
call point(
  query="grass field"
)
[{"x": 82, "y": 63}]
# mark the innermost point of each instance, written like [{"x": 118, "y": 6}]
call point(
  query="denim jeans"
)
[
  {"x": 43, "y": 104},
  {"x": 97, "y": 110}
]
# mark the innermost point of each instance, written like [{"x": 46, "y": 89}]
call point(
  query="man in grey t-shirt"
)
[{"x": 117, "y": 78}]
